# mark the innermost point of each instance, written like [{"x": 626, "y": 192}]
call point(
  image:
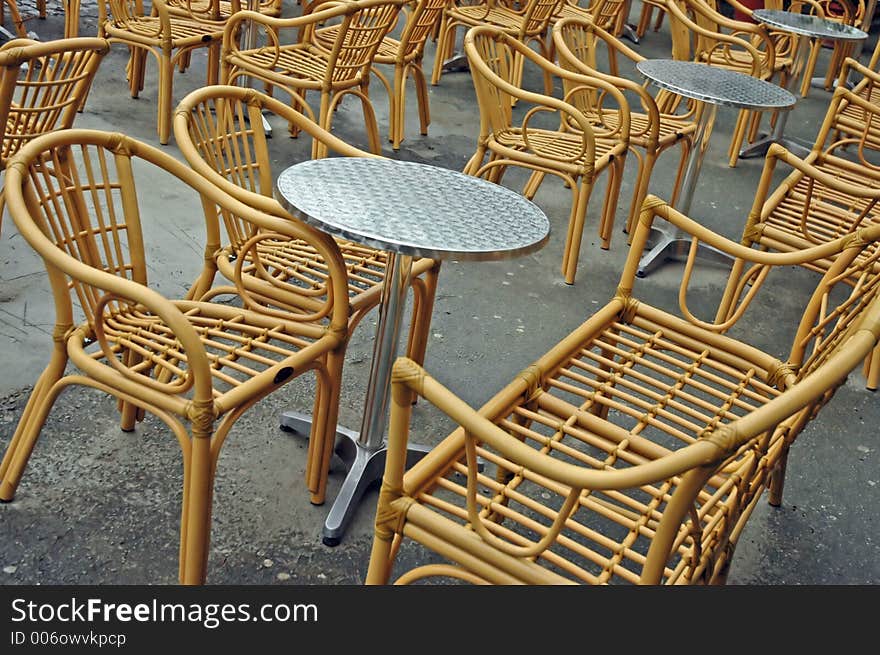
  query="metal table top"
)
[
  {"x": 807, "y": 25},
  {"x": 412, "y": 209},
  {"x": 715, "y": 85}
]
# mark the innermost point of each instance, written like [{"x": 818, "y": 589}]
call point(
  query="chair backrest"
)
[
  {"x": 579, "y": 44},
  {"x": 78, "y": 198},
  {"x": 700, "y": 33},
  {"x": 537, "y": 15},
  {"x": 362, "y": 26},
  {"x": 608, "y": 14},
  {"x": 220, "y": 133},
  {"x": 419, "y": 25},
  {"x": 43, "y": 85}
]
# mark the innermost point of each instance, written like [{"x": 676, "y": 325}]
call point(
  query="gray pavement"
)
[{"x": 99, "y": 506}]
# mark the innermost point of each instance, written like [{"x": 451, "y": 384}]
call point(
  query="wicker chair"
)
[
  {"x": 169, "y": 37},
  {"x": 216, "y": 130},
  {"x": 831, "y": 194},
  {"x": 197, "y": 366},
  {"x": 577, "y": 151},
  {"x": 334, "y": 70},
  {"x": 852, "y": 118},
  {"x": 607, "y": 14},
  {"x": 528, "y": 25},
  {"x": 579, "y": 44},
  {"x": 42, "y": 87},
  {"x": 699, "y": 33},
  {"x": 405, "y": 55},
  {"x": 841, "y": 11},
  {"x": 637, "y": 447}
]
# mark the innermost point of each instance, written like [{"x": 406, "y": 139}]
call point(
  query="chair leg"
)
[
  {"x": 609, "y": 207},
  {"x": 196, "y": 513},
  {"x": 777, "y": 480},
  {"x": 581, "y": 190},
  {"x": 530, "y": 188},
  {"x": 421, "y": 84},
  {"x": 476, "y": 161},
  {"x": 30, "y": 424},
  {"x": 872, "y": 370},
  {"x": 396, "y": 109},
  {"x": 325, "y": 414},
  {"x": 166, "y": 73},
  {"x": 640, "y": 187},
  {"x": 739, "y": 133},
  {"x": 423, "y": 308},
  {"x": 370, "y": 123},
  {"x": 686, "y": 146},
  {"x": 809, "y": 69},
  {"x": 442, "y": 50}
]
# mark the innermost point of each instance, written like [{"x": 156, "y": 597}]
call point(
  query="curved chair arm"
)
[{"x": 568, "y": 57}]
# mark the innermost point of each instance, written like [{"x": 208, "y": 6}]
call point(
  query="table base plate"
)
[
  {"x": 760, "y": 147},
  {"x": 675, "y": 245},
  {"x": 365, "y": 466}
]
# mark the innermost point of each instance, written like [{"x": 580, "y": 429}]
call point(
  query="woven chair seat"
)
[
  {"x": 184, "y": 32},
  {"x": 292, "y": 260},
  {"x": 240, "y": 344},
  {"x": 304, "y": 62},
  {"x": 666, "y": 387},
  {"x": 671, "y": 127},
  {"x": 507, "y": 19},
  {"x": 562, "y": 147}
]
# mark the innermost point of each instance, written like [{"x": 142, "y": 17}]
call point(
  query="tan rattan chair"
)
[
  {"x": 305, "y": 63},
  {"x": 833, "y": 193},
  {"x": 840, "y": 11},
  {"x": 170, "y": 38},
  {"x": 220, "y": 135},
  {"x": 77, "y": 198},
  {"x": 530, "y": 25},
  {"x": 636, "y": 448},
  {"x": 580, "y": 45},
  {"x": 852, "y": 119},
  {"x": 699, "y": 33},
  {"x": 405, "y": 55},
  {"x": 42, "y": 87},
  {"x": 577, "y": 150}
]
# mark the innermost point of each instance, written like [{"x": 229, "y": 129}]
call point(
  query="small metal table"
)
[
  {"x": 408, "y": 210},
  {"x": 802, "y": 25},
  {"x": 712, "y": 86}
]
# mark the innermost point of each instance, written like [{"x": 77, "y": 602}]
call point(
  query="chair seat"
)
[
  {"x": 184, "y": 32},
  {"x": 304, "y": 62},
  {"x": 295, "y": 261},
  {"x": 241, "y": 345},
  {"x": 507, "y": 19},
  {"x": 667, "y": 383},
  {"x": 671, "y": 127},
  {"x": 563, "y": 147}
]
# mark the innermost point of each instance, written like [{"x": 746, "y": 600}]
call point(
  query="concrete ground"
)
[{"x": 99, "y": 506}]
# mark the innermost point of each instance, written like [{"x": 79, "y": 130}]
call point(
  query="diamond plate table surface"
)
[
  {"x": 716, "y": 85},
  {"x": 413, "y": 209},
  {"x": 408, "y": 210},
  {"x": 807, "y": 25},
  {"x": 712, "y": 86}
]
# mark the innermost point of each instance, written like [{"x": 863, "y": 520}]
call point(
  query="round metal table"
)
[
  {"x": 803, "y": 25},
  {"x": 712, "y": 86},
  {"x": 408, "y": 210}
]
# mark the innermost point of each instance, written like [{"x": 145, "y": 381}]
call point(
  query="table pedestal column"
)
[{"x": 364, "y": 452}]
